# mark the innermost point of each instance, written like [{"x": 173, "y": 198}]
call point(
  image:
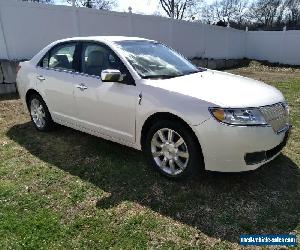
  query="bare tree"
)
[
  {"x": 39, "y": 1},
  {"x": 293, "y": 12},
  {"x": 266, "y": 12},
  {"x": 241, "y": 8},
  {"x": 225, "y": 11},
  {"x": 97, "y": 4},
  {"x": 178, "y": 9}
]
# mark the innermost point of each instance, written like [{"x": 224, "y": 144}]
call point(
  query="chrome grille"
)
[{"x": 276, "y": 115}]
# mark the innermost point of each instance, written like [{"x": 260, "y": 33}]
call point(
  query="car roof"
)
[{"x": 105, "y": 38}]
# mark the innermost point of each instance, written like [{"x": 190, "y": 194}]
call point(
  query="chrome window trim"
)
[
  {"x": 86, "y": 75},
  {"x": 55, "y": 69},
  {"x": 69, "y": 72}
]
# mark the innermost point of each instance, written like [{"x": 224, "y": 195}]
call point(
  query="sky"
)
[
  {"x": 142, "y": 6},
  {"x": 138, "y": 6}
]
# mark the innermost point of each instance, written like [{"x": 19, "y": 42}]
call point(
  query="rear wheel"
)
[
  {"x": 173, "y": 150},
  {"x": 39, "y": 113}
]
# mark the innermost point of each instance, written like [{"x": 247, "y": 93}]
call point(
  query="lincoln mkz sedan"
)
[{"x": 142, "y": 94}]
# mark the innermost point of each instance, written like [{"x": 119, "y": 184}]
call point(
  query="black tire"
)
[
  {"x": 195, "y": 163},
  {"x": 48, "y": 122}
]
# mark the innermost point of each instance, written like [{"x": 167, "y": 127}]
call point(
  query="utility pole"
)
[{"x": 173, "y": 9}]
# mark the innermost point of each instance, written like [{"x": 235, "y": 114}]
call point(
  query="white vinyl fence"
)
[
  {"x": 25, "y": 28},
  {"x": 274, "y": 46}
]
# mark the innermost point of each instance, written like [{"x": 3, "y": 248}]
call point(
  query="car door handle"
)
[
  {"x": 81, "y": 87},
  {"x": 41, "y": 78}
]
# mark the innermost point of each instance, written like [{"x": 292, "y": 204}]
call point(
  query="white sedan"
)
[{"x": 142, "y": 94}]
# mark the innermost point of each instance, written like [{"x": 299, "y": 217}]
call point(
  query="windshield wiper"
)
[
  {"x": 160, "y": 76},
  {"x": 195, "y": 71},
  {"x": 191, "y": 72}
]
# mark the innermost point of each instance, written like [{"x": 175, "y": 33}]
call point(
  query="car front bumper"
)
[{"x": 238, "y": 148}]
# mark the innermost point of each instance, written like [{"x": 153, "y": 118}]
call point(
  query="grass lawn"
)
[{"x": 66, "y": 189}]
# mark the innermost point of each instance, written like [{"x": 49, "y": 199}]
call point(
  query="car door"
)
[
  {"x": 107, "y": 108},
  {"x": 55, "y": 80}
]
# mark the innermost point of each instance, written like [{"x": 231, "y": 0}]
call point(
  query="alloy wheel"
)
[
  {"x": 37, "y": 113},
  {"x": 169, "y": 151}
]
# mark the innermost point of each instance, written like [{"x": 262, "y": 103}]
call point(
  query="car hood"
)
[{"x": 222, "y": 89}]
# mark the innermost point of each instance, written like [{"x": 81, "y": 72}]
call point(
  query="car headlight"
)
[{"x": 239, "y": 117}]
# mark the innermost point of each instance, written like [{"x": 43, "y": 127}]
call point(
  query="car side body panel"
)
[{"x": 127, "y": 107}]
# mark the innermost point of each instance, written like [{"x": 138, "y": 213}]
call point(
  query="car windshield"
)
[{"x": 153, "y": 60}]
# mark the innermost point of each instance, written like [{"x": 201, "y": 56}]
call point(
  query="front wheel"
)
[{"x": 173, "y": 150}]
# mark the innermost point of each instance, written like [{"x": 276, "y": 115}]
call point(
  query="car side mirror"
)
[{"x": 111, "y": 75}]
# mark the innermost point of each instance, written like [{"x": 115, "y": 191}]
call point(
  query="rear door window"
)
[{"x": 61, "y": 57}]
